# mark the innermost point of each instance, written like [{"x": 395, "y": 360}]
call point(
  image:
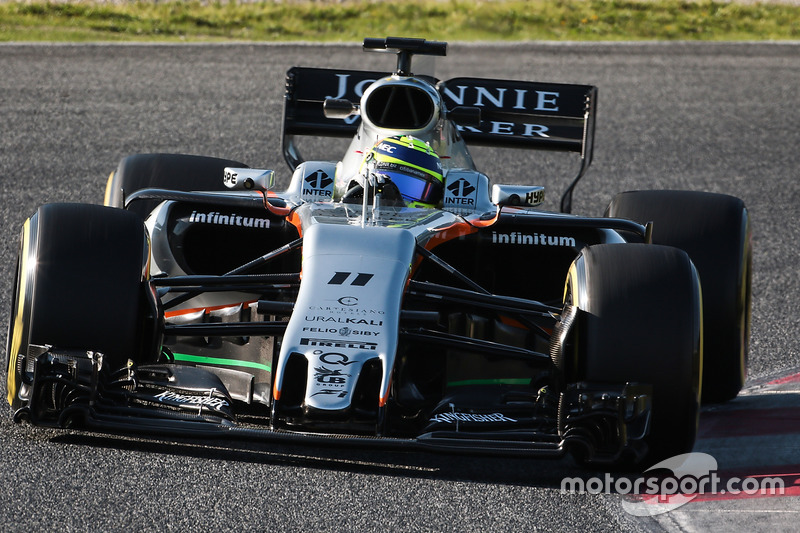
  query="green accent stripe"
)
[
  {"x": 219, "y": 361},
  {"x": 499, "y": 381}
]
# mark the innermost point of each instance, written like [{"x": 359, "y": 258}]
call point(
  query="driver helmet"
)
[{"x": 411, "y": 165}]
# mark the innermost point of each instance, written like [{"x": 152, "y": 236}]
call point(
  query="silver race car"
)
[{"x": 393, "y": 296}]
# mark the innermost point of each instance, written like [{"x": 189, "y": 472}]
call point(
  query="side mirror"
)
[
  {"x": 247, "y": 179},
  {"x": 339, "y": 108},
  {"x": 517, "y": 195}
]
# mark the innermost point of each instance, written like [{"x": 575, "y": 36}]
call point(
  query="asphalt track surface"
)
[{"x": 703, "y": 116}]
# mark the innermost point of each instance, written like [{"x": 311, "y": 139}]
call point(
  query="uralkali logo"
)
[{"x": 654, "y": 493}]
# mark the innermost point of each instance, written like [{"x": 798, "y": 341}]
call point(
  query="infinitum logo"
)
[
  {"x": 228, "y": 220},
  {"x": 535, "y": 239}
]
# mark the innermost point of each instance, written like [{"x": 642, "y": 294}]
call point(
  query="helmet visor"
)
[
  {"x": 416, "y": 189},
  {"x": 415, "y": 185}
]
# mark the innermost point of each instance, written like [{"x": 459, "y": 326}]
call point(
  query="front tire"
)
[
  {"x": 80, "y": 285},
  {"x": 639, "y": 321}
]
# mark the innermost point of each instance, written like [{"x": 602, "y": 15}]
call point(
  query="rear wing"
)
[
  {"x": 542, "y": 116},
  {"x": 306, "y": 91}
]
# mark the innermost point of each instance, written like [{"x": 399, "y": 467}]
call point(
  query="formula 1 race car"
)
[{"x": 391, "y": 298}]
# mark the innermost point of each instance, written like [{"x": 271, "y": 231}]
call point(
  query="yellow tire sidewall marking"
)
[{"x": 18, "y": 328}]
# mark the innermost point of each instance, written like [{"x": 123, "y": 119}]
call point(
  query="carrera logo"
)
[
  {"x": 233, "y": 219},
  {"x": 537, "y": 239}
]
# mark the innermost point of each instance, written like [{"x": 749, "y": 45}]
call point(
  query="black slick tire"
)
[
  {"x": 639, "y": 321},
  {"x": 714, "y": 229},
  {"x": 80, "y": 285}
]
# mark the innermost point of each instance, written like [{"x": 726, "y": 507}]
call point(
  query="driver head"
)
[{"x": 408, "y": 163}]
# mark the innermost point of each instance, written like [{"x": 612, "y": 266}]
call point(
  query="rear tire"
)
[
  {"x": 80, "y": 285},
  {"x": 714, "y": 229},
  {"x": 640, "y": 321},
  {"x": 175, "y": 172}
]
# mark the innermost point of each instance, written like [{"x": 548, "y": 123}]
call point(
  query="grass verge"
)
[{"x": 351, "y": 20}]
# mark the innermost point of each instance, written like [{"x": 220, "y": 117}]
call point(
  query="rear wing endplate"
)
[{"x": 542, "y": 116}]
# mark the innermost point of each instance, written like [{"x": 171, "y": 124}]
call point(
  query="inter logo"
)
[
  {"x": 460, "y": 193},
  {"x": 318, "y": 183},
  {"x": 461, "y": 187}
]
